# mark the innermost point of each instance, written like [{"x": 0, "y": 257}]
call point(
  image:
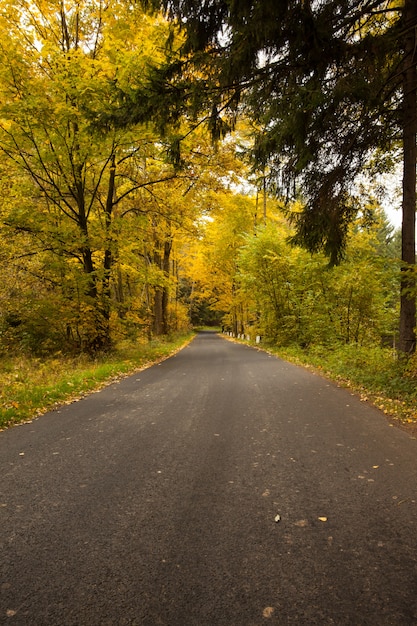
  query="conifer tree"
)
[{"x": 332, "y": 87}]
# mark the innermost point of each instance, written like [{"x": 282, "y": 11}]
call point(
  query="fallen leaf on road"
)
[
  {"x": 268, "y": 611},
  {"x": 322, "y": 519},
  {"x": 278, "y": 518}
]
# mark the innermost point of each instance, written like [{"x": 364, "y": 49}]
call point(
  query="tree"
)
[
  {"x": 95, "y": 214},
  {"x": 72, "y": 179},
  {"x": 332, "y": 88},
  {"x": 213, "y": 264},
  {"x": 409, "y": 126},
  {"x": 290, "y": 296}
]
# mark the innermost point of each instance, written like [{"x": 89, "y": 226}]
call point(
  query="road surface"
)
[{"x": 222, "y": 487}]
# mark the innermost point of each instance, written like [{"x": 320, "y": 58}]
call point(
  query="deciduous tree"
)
[{"x": 71, "y": 178}]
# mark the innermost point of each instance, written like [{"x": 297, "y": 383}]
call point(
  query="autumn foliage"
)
[{"x": 114, "y": 225}]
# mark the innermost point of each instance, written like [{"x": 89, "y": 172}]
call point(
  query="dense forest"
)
[{"x": 193, "y": 163}]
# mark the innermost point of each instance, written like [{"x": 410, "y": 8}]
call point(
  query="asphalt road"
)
[{"x": 154, "y": 502}]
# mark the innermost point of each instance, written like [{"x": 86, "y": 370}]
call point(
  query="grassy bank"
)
[
  {"x": 376, "y": 374},
  {"x": 29, "y": 386}
]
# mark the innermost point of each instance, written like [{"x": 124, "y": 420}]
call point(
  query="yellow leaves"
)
[{"x": 100, "y": 45}]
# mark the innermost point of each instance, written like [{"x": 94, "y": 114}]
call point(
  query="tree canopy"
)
[
  {"x": 331, "y": 88},
  {"x": 91, "y": 209},
  {"x": 121, "y": 217}
]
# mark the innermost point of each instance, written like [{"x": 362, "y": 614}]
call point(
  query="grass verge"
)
[
  {"x": 30, "y": 387},
  {"x": 376, "y": 374}
]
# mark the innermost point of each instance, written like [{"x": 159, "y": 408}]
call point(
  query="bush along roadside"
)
[{"x": 29, "y": 386}]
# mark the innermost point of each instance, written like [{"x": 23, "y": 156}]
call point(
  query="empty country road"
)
[{"x": 154, "y": 502}]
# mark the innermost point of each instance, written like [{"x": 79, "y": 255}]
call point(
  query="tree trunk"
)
[
  {"x": 161, "y": 297},
  {"x": 108, "y": 252},
  {"x": 407, "y": 337},
  {"x": 157, "y": 322},
  {"x": 165, "y": 292}
]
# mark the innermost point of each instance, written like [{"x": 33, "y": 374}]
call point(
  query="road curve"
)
[{"x": 154, "y": 502}]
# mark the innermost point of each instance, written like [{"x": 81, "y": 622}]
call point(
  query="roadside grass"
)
[
  {"x": 378, "y": 375},
  {"x": 31, "y": 386}
]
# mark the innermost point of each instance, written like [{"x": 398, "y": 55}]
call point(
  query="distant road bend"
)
[{"x": 222, "y": 487}]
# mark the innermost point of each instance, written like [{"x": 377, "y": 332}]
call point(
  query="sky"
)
[{"x": 391, "y": 202}]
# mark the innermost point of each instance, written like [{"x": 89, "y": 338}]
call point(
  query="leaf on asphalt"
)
[
  {"x": 375, "y": 466},
  {"x": 277, "y": 518},
  {"x": 266, "y": 493},
  {"x": 268, "y": 612},
  {"x": 323, "y": 519}
]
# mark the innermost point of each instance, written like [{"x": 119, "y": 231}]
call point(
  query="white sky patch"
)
[{"x": 392, "y": 198}]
